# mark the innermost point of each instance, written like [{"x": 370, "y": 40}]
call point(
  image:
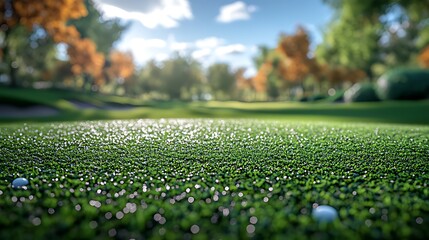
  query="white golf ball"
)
[
  {"x": 325, "y": 213},
  {"x": 19, "y": 182}
]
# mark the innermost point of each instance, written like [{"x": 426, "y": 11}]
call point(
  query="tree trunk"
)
[
  {"x": 86, "y": 87},
  {"x": 369, "y": 74},
  {"x": 12, "y": 75},
  {"x": 8, "y": 59}
]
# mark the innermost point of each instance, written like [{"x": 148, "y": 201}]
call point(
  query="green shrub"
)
[
  {"x": 361, "y": 92},
  {"x": 303, "y": 99},
  {"x": 311, "y": 98},
  {"x": 316, "y": 97},
  {"x": 404, "y": 84},
  {"x": 338, "y": 97}
]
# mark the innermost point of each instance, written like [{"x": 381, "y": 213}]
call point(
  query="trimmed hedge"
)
[
  {"x": 361, "y": 92},
  {"x": 404, "y": 84}
]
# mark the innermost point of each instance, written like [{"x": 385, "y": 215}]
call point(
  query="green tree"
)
[
  {"x": 221, "y": 80},
  {"x": 352, "y": 39},
  {"x": 47, "y": 17},
  {"x": 102, "y": 32},
  {"x": 150, "y": 77},
  {"x": 362, "y": 33},
  {"x": 273, "y": 86},
  {"x": 33, "y": 54},
  {"x": 181, "y": 77},
  {"x": 262, "y": 56}
]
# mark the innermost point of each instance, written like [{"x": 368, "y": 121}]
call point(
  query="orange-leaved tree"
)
[
  {"x": 50, "y": 16},
  {"x": 289, "y": 62},
  {"x": 242, "y": 82},
  {"x": 85, "y": 59},
  {"x": 339, "y": 75},
  {"x": 244, "y": 86},
  {"x": 297, "y": 63},
  {"x": 260, "y": 79},
  {"x": 121, "y": 67},
  {"x": 424, "y": 57},
  {"x": 121, "y": 64}
]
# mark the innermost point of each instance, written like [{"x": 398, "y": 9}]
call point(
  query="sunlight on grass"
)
[{"x": 215, "y": 176}]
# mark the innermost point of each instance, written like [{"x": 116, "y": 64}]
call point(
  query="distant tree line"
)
[{"x": 67, "y": 44}]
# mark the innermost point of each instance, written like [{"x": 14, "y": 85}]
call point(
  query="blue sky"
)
[{"x": 211, "y": 30}]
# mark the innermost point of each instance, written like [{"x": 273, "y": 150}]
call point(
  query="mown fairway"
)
[
  {"x": 99, "y": 107},
  {"x": 229, "y": 179}
]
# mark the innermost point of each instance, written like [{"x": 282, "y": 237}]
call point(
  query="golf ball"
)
[
  {"x": 19, "y": 182},
  {"x": 325, "y": 213}
]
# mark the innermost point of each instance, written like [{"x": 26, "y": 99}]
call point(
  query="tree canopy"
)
[
  {"x": 221, "y": 80},
  {"x": 102, "y": 32},
  {"x": 363, "y": 33}
]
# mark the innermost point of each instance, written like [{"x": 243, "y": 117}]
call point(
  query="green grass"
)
[
  {"x": 225, "y": 178},
  {"x": 59, "y": 99},
  {"x": 407, "y": 112}
]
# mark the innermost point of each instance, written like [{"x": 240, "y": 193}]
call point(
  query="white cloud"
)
[
  {"x": 161, "y": 57},
  {"x": 210, "y": 42},
  {"x": 147, "y": 43},
  {"x": 214, "y": 47},
  {"x": 201, "y": 53},
  {"x": 230, "y": 49},
  {"x": 145, "y": 49},
  {"x": 206, "y": 50},
  {"x": 180, "y": 46},
  {"x": 162, "y": 13},
  {"x": 235, "y": 11},
  {"x": 176, "y": 46}
]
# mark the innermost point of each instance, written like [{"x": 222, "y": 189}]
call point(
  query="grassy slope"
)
[
  {"x": 168, "y": 177},
  {"x": 57, "y": 98},
  {"x": 390, "y": 112}
]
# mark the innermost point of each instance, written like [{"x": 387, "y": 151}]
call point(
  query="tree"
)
[
  {"x": 181, "y": 77},
  {"x": 350, "y": 44},
  {"x": 262, "y": 56},
  {"x": 273, "y": 86},
  {"x": 34, "y": 55},
  {"x": 150, "y": 77},
  {"x": 245, "y": 86},
  {"x": 50, "y": 18},
  {"x": 364, "y": 33},
  {"x": 121, "y": 67},
  {"x": 338, "y": 75},
  {"x": 260, "y": 79},
  {"x": 295, "y": 65},
  {"x": 102, "y": 32},
  {"x": 290, "y": 64},
  {"x": 221, "y": 80},
  {"x": 424, "y": 57},
  {"x": 85, "y": 60}
]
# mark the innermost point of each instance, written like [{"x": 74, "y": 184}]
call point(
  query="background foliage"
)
[{"x": 73, "y": 48}]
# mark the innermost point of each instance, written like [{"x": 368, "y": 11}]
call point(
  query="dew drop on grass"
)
[
  {"x": 19, "y": 182},
  {"x": 195, "y": 229},
  {"x": 250, "y": 229},
  {"x": 325, "y": 213},
  {"x": 112, "y": 232},
  {"x": 93, "y": 224},
  {"x": 419, "y": 220},
  {"x": 253, "y": 220},
  {"x": 36, "y": 221}
]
